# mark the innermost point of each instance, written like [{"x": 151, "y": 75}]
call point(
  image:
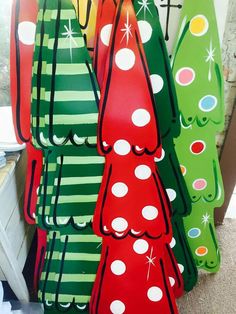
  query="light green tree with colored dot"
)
[{"x": 197, "y": 70}]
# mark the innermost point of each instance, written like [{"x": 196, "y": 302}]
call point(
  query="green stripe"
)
[
  {"x": 64, "y": 14},
  {"x": 64, "y": 43},
  {"x": 74, "y": 238},
  {"x": 51, "y": 236},
  {"x": 77, "y": 256},
  {"x": 77, "y": 219},
  {"x": 66, "y": 298},
  {"x": 70, "y": 277},
  {"x": 38, "y": 40},
  {"x": 46, "y": 16},
  {"x": 41, "y": 122},
  {"x": 34, "y": 93},
  {"x": 40, "y": 209},
  {"x": 35, "y": 67},
  {"x": 53, "y": 167},
  {"x": 79, "y": 180},
  {"x": 71, "y": 96},
  {"x": 90, "y": 139},
  {"x": 68, "y": 69},
  {"x": 74, "y": 160},
  {"x": 64, "y": 199},
  {"x": 60, "y": 219},
  {"x": 90, "y": 118},
  {"x": 49, "y": 189},
  {"x": 62, "y": 68}
]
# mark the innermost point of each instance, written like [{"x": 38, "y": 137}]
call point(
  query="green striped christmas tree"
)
[{"x": 64, "y": 112}]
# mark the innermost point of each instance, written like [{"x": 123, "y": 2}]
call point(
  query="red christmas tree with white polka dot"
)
[{"x": 133, "y": 210}]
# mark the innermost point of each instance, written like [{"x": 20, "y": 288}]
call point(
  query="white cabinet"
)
[{"x": 15, "y": 235}]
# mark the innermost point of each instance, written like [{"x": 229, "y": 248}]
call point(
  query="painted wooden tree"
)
[
  {"x": 168, "y": 114},
  {"x": 199, "y": 85},
  {"x": 24, "y": 15},
  {"x": 64, "y": 111},
  {"x": 133, "y": 210},
  {"x": 102, "y": 43}
]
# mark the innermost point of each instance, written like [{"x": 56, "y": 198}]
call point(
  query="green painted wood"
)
[
  {"x": 70, "y": 269},
  {"x": 64, "y": 117},
  {"x": 202, "y": 237},
  {"x": 198, "y": 157},
  {"x": 69, "y": 187},
  {"x": 183, "y": 253},
  {"x": 159, "y": 68},
  {"x": 169, "y": 124},
  {"x": 65, "y": 92},
  {"x": 197, "y": 67}
]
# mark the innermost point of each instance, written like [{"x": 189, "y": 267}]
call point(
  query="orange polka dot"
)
[
  {"x": 201, "y": 251},
  {"x": 183, "y": 170}
]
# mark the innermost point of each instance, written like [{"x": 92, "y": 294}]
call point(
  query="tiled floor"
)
[{"x": 231, "y": 212}]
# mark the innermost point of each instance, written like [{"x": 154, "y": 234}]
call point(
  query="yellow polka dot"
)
[
  {"x": 201, "y": 251},
  {"x": 199, "y": 25}
]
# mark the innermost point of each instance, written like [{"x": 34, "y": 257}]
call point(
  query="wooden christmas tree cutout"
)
[
  {"x": 126, "y": 212},
  {"x": 199, "y": 86},
  {"x": 22, "y": 45}
]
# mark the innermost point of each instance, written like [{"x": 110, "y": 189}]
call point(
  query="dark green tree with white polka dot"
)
[{"x": 168, "y": 118}]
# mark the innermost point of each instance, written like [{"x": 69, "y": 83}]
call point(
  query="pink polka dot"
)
[
  {"x": 185, "y": 76},
  {"x": 199, "y": 184}
]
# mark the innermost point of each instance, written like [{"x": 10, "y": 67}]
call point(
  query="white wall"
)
[{"x": 221, "y": 7}]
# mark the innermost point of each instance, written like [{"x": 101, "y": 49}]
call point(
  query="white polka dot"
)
[
  {"x": 145, "y": 30},
  {"x": 150, "y": 212},
  {"x": 117, "y": 307},
  {"x": 173, "y": 243},
  {"x": 118, "y": 267},
  {"x": 26, "y": 32},
  {"x": 140, "y": 246},
  {"x": 157, "y": 83},
  {"x": 104, "y": 143},
  {"x": 181, "y": 268},
  {"x": 125, "y": 59},
  {"x": 122, "y": 147},
  {"x": 162, "y": 156},
  {"x": 106, "y": 34},
  {"x": 143, "y": 172},
  {"x": 119, "y": 189},
  {"x": 171, "y": 194},
  {"x": 141, "y": 117},
  {"x": 172, "y": 281},
  {"x": 119, "y": 224},
  {"x": 155, "y": 294},
  {"x": 139, "y": 149}
]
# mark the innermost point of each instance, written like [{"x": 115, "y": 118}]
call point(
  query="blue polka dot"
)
[
  {"x": 208, "y": 103},
  {"x": 194, "y": 233}
]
